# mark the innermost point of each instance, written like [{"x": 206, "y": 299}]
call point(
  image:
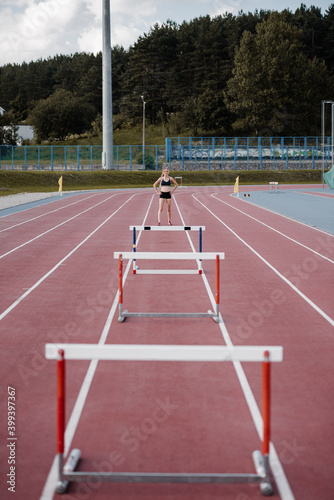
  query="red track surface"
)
[{"x": 276, "y": 289}]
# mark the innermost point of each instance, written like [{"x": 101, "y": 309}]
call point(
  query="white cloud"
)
[
  {"x": 51, "y": 16},
  {"x": 128, "y": 21},
  {"x": 124, "y": 35},
  {"x": 41, "y": 29},
  {"x": 219, "y": 7},
  {"x": 90, "y": 40},
  {"x": 33, "y": 29}
]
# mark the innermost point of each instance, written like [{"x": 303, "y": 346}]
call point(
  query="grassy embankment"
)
[{"x": 12, "y": 182}]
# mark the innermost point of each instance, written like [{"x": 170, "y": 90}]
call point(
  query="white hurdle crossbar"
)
[
  {"x": 136, "y": 269},
  {"x": 206, "y": 353},
  {"x": 170, "y": 256}
]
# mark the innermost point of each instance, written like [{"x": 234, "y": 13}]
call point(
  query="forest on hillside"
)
[{"x": 261, "y": 74}]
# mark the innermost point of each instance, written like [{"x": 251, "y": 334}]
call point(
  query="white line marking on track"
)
[
  {"x": 31, "y": 289},
  {"x": 50, "y": 485},
  {"x": 291, "y": 285},
  {"x": 55, "y": 227},
  {"x": 273, "y": 229},
  {"x": 276, "y": 467},
  {"x": 44, "y": 214}
]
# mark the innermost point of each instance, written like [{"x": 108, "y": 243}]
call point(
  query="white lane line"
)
[
  {"x": 45, "y": 213},
  {"x": 273, "y": 229},
  {"x": 55, "y": 227},
  {"x": 50, "y": 485},
  {"x": 31, "y": 289},
  {"x": 276, "y": 467},
  {"x": 291, "y": 285}
]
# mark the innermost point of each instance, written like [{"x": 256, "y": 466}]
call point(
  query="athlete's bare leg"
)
[
  {"x": 169, "y": 205},
  {"x": 161, "y": 205}
]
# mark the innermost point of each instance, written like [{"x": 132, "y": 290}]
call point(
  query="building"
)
[{"x": 24, "y": 133}]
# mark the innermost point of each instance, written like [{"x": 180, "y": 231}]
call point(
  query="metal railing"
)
[
  {"x": 263, "y": 153},
  {"x": 245, "y": 153},
  {"x": 79, "y": 157}
]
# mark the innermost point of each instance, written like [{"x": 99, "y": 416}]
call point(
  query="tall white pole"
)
[
  {"x": 144, "y": 103},
  {"x": 107, "y": 123},
  {"x": 323, "y": 141},
  {"x": 332, "y": 133}
]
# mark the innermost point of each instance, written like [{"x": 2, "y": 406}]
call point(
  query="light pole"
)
[
  {"x": 142, "y": 98},
  {"x": 107, "y": 125}
]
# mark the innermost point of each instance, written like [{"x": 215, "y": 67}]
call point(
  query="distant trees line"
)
[{"x": 261, "y": 73}]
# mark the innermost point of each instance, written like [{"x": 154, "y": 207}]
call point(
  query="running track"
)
[{"x": 59, "y": 284}]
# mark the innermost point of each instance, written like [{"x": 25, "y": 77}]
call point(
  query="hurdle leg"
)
[
  {"x": 265, "y": 485},
  {"x": 215, "y": 314},
  {"x": 217, "y": 285},
  {"x": 134, "y": 249},
  {"x": 200, "y": 250},
  {"x": 121, "y": 318},
  {"x": 61, "y": 483},
  {"x": 74, "y": 457}
]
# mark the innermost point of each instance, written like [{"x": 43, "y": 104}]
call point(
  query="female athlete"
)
[{"x": 165, "y": 193}]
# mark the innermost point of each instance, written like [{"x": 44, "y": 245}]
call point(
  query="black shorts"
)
[{"x": 166, "y": 196}]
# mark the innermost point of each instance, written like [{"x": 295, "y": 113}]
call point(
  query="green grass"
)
[
  {"x": 154, "y": 134},
  {"x": 12, "y": 182}
]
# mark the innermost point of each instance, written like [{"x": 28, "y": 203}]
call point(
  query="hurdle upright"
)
[
  {"x": 152, "y": 353},
  {"x": 170, "y": 256},
  {"x": 136, "y": 269}
]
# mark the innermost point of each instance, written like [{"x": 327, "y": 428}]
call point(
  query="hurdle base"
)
[
  {"x": 160, "y": 477},
  {"x": 261, "y": 463},
  {"x": 215, "y": 316},
  {"x": 121, "y": 317},
  {"x": 125, "y": 314},
  {"x": 70, "y": 466},
  {"x": 261, "y": 476},
  {"x": 167, "y": 271}
]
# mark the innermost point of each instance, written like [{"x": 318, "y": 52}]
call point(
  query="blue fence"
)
[
  {"x": 79, "y": 157},
  {"x": 248, "y": 152},
  {"x": 180, "y": 153}
]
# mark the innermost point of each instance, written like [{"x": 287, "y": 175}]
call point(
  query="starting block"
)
[
  {"x": 273, "y": 185},
  {"x": 170, "y": 256},
  {"x": 64, "y": 352},
  {"x": 136, "y": 269}
]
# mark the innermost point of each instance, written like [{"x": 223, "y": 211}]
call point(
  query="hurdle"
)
[
  {"x": 152, "y": 353},
  {"x": 136, "y": 269},
  {"x": 273, "y": 185},
  {"x": 171, "y": 256},
  {"x": 179, "y": 178}
]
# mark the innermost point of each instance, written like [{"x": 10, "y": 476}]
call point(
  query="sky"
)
[{"x": 33, "y": 29}]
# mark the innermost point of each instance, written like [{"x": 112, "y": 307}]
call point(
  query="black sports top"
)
[{"x": 165, "y": 183}]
